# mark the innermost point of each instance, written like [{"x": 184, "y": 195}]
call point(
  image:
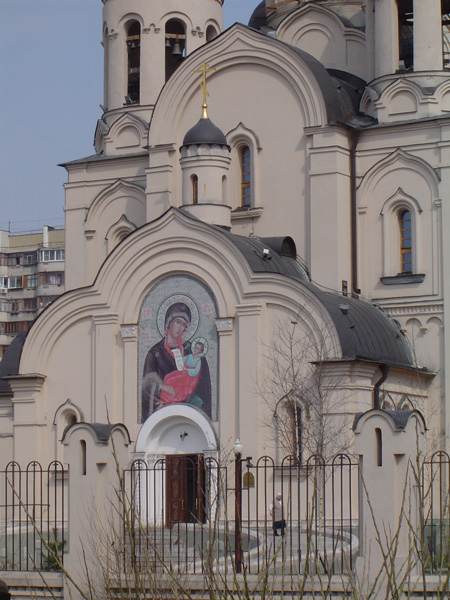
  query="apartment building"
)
[{"x": 31, "y": 277}]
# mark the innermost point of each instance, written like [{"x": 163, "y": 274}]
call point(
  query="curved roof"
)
[
  {"x": 204, "y": 132},
  {"x": 258, "y": 18},
  {"x": 365, "y": 331},
  {"x": 9, "y": 364}
]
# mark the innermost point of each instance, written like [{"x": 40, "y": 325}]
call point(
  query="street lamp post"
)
[{"x": 238, "y": 505}]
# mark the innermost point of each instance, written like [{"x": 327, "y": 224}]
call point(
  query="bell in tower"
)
[{"x": 144, "y": 43}]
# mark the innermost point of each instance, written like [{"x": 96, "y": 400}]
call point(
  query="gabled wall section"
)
[
  {"x": 321, "y": 32},
  {"x": 86, "y": 345}
]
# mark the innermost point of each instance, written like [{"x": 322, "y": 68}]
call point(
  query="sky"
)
[{"x": 51, "y": 86}]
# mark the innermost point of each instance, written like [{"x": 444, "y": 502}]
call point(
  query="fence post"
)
[{"x": 388, "y": 444}]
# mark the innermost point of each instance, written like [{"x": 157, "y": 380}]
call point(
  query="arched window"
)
[
  {"x": 194, "y": 180},
  {"x": 175, "y": 45},
  {"x": 83, "y": 457},
  {"x": 134, "y": 63},
  {"x": 211, "y": 33},
  {"x": 246, "y": 176},
  {"x": 405, "y": 224}
]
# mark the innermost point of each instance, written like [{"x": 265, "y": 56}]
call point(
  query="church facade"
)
[{"x": 260, "y": 228}]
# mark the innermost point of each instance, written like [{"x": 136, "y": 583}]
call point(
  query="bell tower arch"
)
[{"x": 145, "y": 41}]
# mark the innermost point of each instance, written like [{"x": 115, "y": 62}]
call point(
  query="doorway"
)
[{"x": 185, "y": 489}]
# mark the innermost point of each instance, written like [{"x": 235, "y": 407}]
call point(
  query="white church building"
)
[{"x": 255, "y": 253}]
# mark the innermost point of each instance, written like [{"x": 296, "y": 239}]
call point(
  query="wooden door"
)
[
  {"x": 185, "y": 489},
  {"x": 175, "y": 488}
]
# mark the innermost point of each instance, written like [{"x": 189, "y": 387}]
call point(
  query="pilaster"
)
[
  {"x": 104, "y": 369},
  {"x": 129, "y": 404},
  {"x": 386, "y": 37},
  {"x": 227, "y": 386},
  {"x": 248, "y": 317},
  {"x": 427, "y": 35},
  {"x": 29, "y": 420}
]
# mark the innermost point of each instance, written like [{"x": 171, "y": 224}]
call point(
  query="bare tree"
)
[{"x": 304, "y": 397}]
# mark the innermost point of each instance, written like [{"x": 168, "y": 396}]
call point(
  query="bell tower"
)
[
  {"x": 407, "y": 36},
  {"x": 145, "y": 41}
]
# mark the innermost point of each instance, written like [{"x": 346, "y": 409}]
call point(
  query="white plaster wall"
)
[{"x": 318, "y": 30}]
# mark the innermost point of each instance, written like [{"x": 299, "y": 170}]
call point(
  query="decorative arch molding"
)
[
  {"x": 414, "y": 323},
  {"x": 118, "y": 189},
  {"x": 131, "y": 16},
  {"x": 127, "y": 132},
  {"x": 397, "y": 89},
  {"x": 241, "y": 132},
  {"x": 398, "y": 200},
  {"x": 399, "y": 159},
  {"x": 312, "y": 18},
  {"x": 66, "y": 415},
  {"x": 119, "y": 231},
  {"x": 403, "y": 96},
  {"x": 225, "y": 52},
  {"x": 442, "y": 95},
  {"x": 68, "y": 408},
  {"x": 178, "y": 16},
  {"x": 150, "y": 432},
  {"x": 319, "y": 14},
  {"x": 213, "y": 23}
]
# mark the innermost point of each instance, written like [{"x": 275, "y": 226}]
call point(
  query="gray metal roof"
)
[
  {"x": 254, "y": 250},
  {"x": 258, "y": 18},
  {"x": 400, "y": 418},
  {"x": 204, "y": 132},
  {"x": 365, "y": 331},
  {"x": 9, "y": 364}
]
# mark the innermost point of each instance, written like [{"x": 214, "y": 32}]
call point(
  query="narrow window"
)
[
  {"x": 224, "y": 189},
  {"x": 83, "y": 457},
  {"x": 194, "y": 179},
  {"x": 445, "y": 10},
  {"x": 379, "y": 446},
  {"x": 246, "y": 188},
  {"x": 134, "y": 63},
  {"x": 405, "y": 34},
  {"x": 405, "y": 242},
  {"x": 175, "y": 45}
]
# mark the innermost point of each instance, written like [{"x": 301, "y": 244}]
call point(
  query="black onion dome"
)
[
  {"x": 258, "y": 18},
  {"x": 205, "y": 132}
]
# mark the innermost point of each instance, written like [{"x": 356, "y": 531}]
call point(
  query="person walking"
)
[{"x": 276, "y": 512}]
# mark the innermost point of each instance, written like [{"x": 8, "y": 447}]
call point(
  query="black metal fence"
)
[
  {"x": 33, "y": 516},
  {"x": 191, "y": 516},
  {"x": 435, "y": 512}
]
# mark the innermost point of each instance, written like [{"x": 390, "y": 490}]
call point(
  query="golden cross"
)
[{"x": 204, "y": 69}]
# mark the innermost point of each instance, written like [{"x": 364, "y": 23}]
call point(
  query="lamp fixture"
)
[{"x": 238, "y": 447}]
